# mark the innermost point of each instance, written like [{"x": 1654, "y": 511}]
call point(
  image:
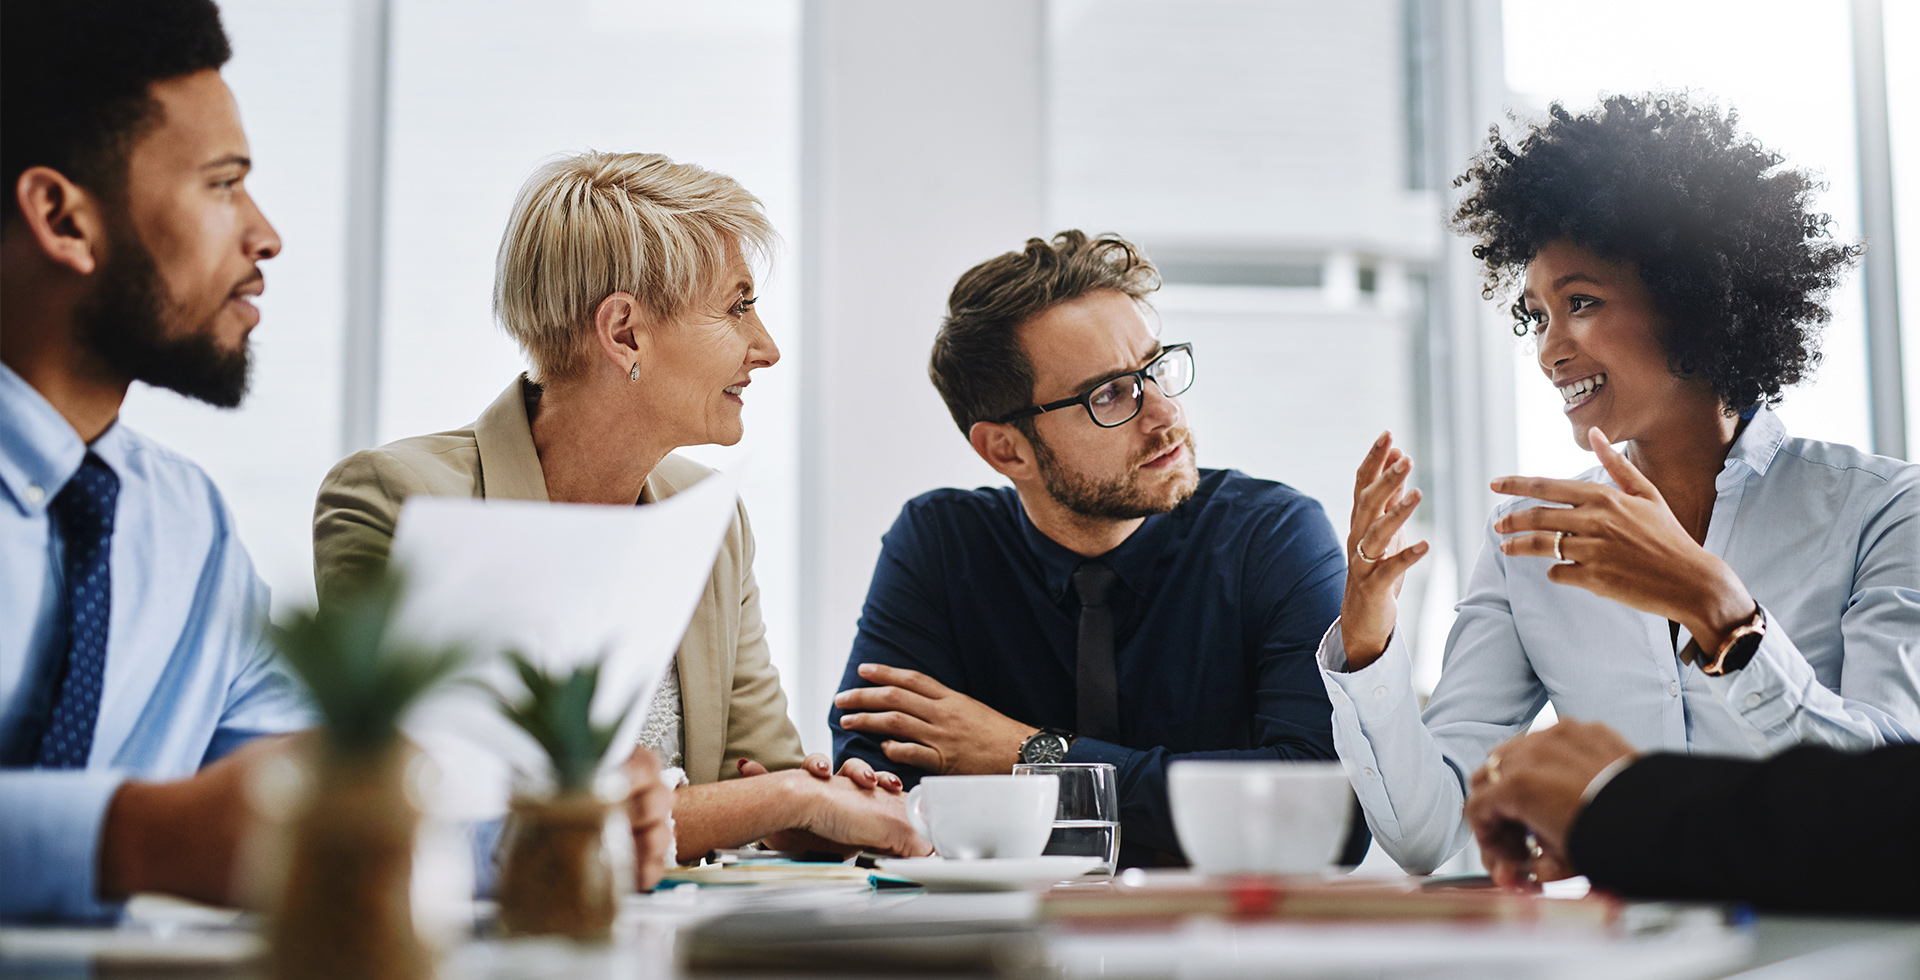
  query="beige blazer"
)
[{"x": 732, "y": 707}]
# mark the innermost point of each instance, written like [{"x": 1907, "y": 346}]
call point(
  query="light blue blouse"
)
[{"x": 1827, "y": 538}]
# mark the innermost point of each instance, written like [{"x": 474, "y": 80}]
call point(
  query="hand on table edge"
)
[
  {"x": 1531, "y": 790},
  {"x": 817, "y": 763},
  {"x": 183, "y": 837},
  {"x": 835, "y": 809},
  {"x": 649, "y": 806}
]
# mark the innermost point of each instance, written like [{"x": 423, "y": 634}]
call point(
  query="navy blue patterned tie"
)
[{"x": 83, "y": 513}]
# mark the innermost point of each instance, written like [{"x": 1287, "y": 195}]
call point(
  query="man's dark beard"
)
[
  {"x": 1119, "y": 499},
  {"x": 124, "y": 323}
]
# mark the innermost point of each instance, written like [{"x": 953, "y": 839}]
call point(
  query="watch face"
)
[
  {"x": 1044, "y": 747},
  {"x": 1741, "y": 653}
]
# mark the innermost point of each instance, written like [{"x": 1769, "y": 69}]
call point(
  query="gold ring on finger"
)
[
  {"x": 1493, "y": 767},
  {"x": 1559, "y": 536},
  {"x": 1362, "y": 555}
]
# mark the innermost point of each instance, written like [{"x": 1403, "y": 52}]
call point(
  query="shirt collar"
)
[
  {"x": 1132, "y": 561},
  {"x": 39, "y": 451},
  {"x": 1754, "y": 450}
]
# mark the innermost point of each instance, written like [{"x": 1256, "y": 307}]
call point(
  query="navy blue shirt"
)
[{"x": 1218, "y": 610}]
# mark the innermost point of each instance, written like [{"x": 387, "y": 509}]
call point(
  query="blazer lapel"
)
[
  {"x": 703, "y": 688},
  {"x": 509, "y": 465}
]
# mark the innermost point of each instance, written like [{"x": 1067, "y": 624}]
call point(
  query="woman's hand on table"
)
[
  {"x": 1624, "y": 543},
  {"x": 649, "y": 810},
  {"x": 1527, "y": 795},
  {"x": 1377, "y": 555},
  {"x": 816, "y": 763},
  {"x": 841, "y": 811}
]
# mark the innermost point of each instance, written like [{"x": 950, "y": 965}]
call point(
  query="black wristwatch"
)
[
  {"x": 1046, "y": 745},
  {"x": 1738, "y": 649}
]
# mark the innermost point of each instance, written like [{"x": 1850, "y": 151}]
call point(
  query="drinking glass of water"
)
[{"x": 1087, "y": 821}]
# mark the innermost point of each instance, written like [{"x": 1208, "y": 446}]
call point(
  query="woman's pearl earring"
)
[{"x": 634, "y": 375}]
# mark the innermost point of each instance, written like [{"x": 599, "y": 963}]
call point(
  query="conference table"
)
[{"x": 847, "y": 928}]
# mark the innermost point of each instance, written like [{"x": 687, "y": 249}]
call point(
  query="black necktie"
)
[
  {"x": 1096, "y": 681},
  {"x": 83, "y": 513}
]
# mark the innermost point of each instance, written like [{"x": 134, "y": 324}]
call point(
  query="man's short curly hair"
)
[
  {"x": 979, "y": 364},
  {"x": 78, "y": 74},
  {"x": 1738, "y": 267}
]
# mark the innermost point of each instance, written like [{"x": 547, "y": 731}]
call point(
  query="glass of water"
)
[{"x": 1087, "y": 821}]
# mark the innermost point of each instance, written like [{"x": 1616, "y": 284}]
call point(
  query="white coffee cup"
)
[
  {"x": 967, "y": 817},
  {"x": 1236, "y": 817}
]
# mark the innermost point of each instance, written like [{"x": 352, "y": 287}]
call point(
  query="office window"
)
[{"x": 1902, "y": 34}]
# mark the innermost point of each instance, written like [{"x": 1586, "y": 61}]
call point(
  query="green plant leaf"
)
[
  {"x": 361, "y": 680},
  {"x": 557, "y": 711}
]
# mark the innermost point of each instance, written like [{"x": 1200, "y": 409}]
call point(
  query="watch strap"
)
[{"x": 1059, "y": 733}]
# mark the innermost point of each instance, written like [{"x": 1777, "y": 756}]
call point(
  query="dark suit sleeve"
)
[
  {"x": 1293, "y": 579},
  {"x": 903, "y": 624},
  {"x": 1809, "y": 830}
]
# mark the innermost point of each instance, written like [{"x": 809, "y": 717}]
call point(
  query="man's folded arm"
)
[{"x": 901, "y": 625}]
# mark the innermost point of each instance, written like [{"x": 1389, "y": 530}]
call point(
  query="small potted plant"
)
[
  {"x": 556, "y": 877},
  {"x": 345, "y": 908}
]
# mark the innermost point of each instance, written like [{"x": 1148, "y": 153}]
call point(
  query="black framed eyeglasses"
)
[{"x": 1117, "y": 400}]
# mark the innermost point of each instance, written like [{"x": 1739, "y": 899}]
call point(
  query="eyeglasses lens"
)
[
  {"x": 1174, "y": 373},
  {"x": 1116, "y": 401}
]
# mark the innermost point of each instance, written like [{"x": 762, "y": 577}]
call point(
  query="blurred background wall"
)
[{"x": 1288, "y": 162}]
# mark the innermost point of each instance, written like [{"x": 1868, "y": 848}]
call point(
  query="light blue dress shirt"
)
[
  {"x": 188, "y": 676},
  {"x": 1827, "y": 538}
]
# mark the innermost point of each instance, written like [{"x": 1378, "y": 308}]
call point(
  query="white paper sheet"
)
[{"x": 563, "y": 584}]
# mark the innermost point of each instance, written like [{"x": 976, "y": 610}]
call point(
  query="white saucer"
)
[{"x": 989, "y": 874}]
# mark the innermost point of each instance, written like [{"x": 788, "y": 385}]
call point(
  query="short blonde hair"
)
[{"x": 590, "y": 225}]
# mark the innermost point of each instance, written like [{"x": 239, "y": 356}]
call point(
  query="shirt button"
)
[
  {"x": 1367, "y": 773},
  {"x": 1753, "y": 700},
  {"x": 1380, "y": 692},
  {"x": 1673, "y": 688},
  {"x": 35, "y": 494}
]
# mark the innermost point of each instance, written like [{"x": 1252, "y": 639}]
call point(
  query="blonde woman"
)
[{"x": 625, "y": 279}]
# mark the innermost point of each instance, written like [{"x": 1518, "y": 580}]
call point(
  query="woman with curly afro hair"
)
[{"x": 1716, "y": 586}]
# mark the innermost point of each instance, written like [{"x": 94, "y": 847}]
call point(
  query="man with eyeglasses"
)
[{"x": 1116, "y": 604}]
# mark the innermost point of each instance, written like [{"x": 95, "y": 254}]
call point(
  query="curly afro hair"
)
[{"x": 1738, "y": 267}]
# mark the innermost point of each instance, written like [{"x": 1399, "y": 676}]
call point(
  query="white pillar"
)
[
  {"x": 366, "y": 225},
  {"x": 922, "y": 155},
  {"x": 1473, "y": 398}
]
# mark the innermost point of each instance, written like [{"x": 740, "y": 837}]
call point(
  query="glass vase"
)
[
  {"x": 556, "y": 876},
  {"x": 345, "y": 908}
]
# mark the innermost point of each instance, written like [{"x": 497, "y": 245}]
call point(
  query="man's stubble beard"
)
[
  {"x": 125, "y": 322},
  {"x": 1118, "y": 499}
]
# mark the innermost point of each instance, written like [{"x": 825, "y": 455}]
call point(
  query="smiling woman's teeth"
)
[
  {"x": 734, "y": 389},
  {"x": 1581, "y": 388}
]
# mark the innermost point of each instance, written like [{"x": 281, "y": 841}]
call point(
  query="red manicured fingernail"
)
[{"x": 743, "y": 765}]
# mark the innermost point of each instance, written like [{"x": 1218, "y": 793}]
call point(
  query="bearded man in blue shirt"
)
[
  {"x": 1116, "y": 604},
  {"x": 132, "y": 665}
]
